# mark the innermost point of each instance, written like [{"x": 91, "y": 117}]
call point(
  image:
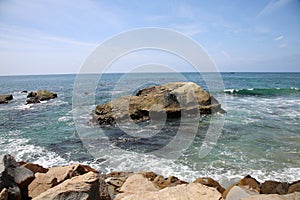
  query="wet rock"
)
[
  {"x": 55, "y": 176},
  {"x": 274, "y": 187},
  {"x": 85, "y": 186},
  {"x": 294, "y": 187},
  {"x": 210, "y": 183},
  {"x": 5, "y": 98},
  {"x": 171, "y": 100},
  {"x": 38, "y": 96}
]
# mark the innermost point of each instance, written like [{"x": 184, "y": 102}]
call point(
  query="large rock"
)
[
  {"x": 192, "y": 191},
  {"x": 293, "y": 196},
  {"x": 239, "y": 192},
  {"x": 274, "y": 187},
  {"x": 171, "y": 100},
  {"x": 41, "y": 95},
  {"x": 5, "y": 98},
  {"x": 86, "y": 186},
  {"x": 210, "y": 183},
  {"x": 14, "y": 177},
  {"x": 294, "y": 187},
  {"x": 55, "y": 176},
  {"x": 162, "y": 182}
]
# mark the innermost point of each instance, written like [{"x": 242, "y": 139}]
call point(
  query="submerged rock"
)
[
  {"x": 41, "y": 95},
  {"x": 171, "y": 100},
  {"x": 4, "y": 98}
]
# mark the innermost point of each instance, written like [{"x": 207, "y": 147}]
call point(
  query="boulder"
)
[
  {"x": 4, "y": 98},
  {"x": 115, "y": 180},
  {"x": 210, "y": 183},
  {"x": 274, "y": 187},
  {"x": 293, "y": 196},
  {"x": 250, "y": 182},
  {"x": 87, "y": 186},
  {"x": 171, "y": 100},
  {"x": 55, "y": 176},
  {"x": 192, "y": 191},
  {"x": 239, "y": 192},
  {"x": 41, "y": 95},
  {"x": 294, "y": 187},
  {"x": 35, "y": 168},
  {"x": 161, "y": 182},
  {"x": 15, "y": 178},
  {"x": 137, "y": 183}
]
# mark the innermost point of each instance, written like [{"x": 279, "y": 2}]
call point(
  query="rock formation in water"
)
[
  {"x": 4, "y": 98},
  {"x": 171, "y": 100},
  {"x": 41, "y": 95}
]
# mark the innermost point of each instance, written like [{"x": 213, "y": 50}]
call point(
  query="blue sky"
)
[{"x": 42, "y": 37}]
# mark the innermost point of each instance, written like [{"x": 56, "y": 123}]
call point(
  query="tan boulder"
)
[
  {"x": 192, "y": 191},
  {"x": 238, "y": 192},
  {"x": 82, "y": 187},
  {"x": 250, "y": 181},
  {"x": 293, "y": 196},
  {"x": 171, "y": 100},
  {"x": 35, "y": 168},
  {"x": 210, "y": 183},
  {"x": 55, "y": 176}
]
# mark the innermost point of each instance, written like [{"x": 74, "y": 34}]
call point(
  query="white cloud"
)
[
  {"x": 279, "y": 38},
  {"x": 190, "y": 29},
  {"x": 273, "y": 6}
]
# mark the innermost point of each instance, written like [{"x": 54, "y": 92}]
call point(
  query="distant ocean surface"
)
[{"x": 260, "y": 137}]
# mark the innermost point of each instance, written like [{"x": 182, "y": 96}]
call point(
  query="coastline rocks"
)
[
  {"x": 171, "y": 100},
  {"x": 86, "y": 186},
  {"x": 38, "y": 96},
  {"x": 138, "y": 187},
  {"x": 54, "y": 176},
  {"x": 210, "y": 183},
  {"x": 5, "y": 98}
]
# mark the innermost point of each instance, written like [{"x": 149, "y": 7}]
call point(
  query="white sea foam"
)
[{"x": 22, "y": 150}]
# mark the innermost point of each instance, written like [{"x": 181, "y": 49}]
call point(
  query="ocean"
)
[{"x": 260, "y": 132}]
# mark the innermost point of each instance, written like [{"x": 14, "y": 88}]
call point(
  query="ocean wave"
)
[{"x": 262, "y": 91}]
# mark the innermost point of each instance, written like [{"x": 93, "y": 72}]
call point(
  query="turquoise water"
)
[{"x": 261, "y": 133}]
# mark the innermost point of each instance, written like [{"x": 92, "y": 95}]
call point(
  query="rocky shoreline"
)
[{"x": 21, "y": 180}]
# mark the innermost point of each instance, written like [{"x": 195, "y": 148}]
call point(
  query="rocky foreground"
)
[
  {"x": 20, "y": 180},
  {"x": 170, "y": 100}
]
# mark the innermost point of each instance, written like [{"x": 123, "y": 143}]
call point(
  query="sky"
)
[{"x": 57, "y": 36}]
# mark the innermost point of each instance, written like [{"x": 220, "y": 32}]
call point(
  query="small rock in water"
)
[
  {"x": 41, "y": 95},
  {"x": 5, "y": 98}
]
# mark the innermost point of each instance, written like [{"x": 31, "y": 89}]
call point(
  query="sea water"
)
[{"x": 260, "y": 136}]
